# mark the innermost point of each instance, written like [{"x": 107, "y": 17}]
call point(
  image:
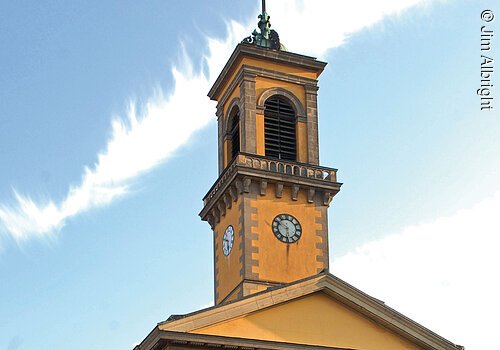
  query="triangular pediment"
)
[
  {"x": 321, "y": 311},
  {"x": 315, "y": 319}
]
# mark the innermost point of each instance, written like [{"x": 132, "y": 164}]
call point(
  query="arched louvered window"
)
[
  {"x": 279, "y": 129},
  {"x": 234, "y": 133}
]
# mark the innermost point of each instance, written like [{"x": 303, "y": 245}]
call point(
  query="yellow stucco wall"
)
[
  {"x": 259, "y": 137},
  {"x": 278, "y": 261},
  {"x": 229, "y": 267},
  {"x": 316, "y": 319},
  {"x": 235, "y": 294}
]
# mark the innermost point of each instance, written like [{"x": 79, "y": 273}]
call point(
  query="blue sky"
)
[{"x": 102, "y": 240}]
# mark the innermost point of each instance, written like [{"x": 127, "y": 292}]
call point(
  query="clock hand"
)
[{"x": 286, "y": 228}]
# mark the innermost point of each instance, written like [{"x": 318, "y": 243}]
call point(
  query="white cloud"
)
[
  {"x": 314, "y": 27},
  {"x": 137, "y": 144},
  {"x": 140, "y": 142},
  {"x": 443, "y": 274}
]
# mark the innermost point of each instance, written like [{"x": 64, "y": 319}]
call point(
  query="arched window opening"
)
[
  {"x": 279, "y": 129},
  {"x": 234, "y": 133}
]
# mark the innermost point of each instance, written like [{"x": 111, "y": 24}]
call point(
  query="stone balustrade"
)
[{"x": 300, "y": 170}]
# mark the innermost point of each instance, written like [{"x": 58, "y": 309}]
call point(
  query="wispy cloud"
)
[
  {"x": 443, "y": 274},
  {"x": 139, "y": 142},
  {"x": 314, "y": 27}
]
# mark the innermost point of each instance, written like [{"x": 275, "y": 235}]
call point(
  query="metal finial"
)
[{"x": 267, "y": 37}]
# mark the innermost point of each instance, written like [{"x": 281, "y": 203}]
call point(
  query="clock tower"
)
[
  {"x": 268, "y": 207},
  {"x": 268, "y": 212}
]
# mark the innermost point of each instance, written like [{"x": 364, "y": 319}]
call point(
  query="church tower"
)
[
  {"x": 268, "y": 207},
  {"x": 268, "y": 212}
]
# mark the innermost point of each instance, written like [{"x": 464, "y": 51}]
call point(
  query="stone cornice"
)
[
  {"x": 159, "y": 339},
  {"x": 277, "y": 75},
  {"x": 288, "y": 58}
]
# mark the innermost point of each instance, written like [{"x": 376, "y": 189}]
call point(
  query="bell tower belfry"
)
[{"x": 268, "y": 207}]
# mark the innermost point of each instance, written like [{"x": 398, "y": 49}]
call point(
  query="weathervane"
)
[{"x": 267, "y": 37}]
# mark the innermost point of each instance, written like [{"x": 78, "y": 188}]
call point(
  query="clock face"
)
[
  {"x": 286, "y": 228},
  {"x": 228, "y": 240}
]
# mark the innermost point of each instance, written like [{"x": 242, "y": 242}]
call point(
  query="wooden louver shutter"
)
[
  {"x": 235, "y": 134},
  {"x": 279, "y": 129}
]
